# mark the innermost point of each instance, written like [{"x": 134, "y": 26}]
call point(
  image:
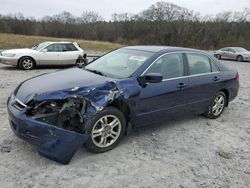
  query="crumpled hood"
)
[{"x": 69, "y": 79}]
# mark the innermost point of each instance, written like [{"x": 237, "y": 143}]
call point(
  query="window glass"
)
[
  {"x": 198, "y": 64},
  {"x": 231, "y": 50},
  {"x": 169, "y": 65},
  {"x": 120, "y": 63},
  {"x": 224, "y": 49},
  {"x": 54, "y": 48},
  {"x": 40, "y": 46},
  {"x": 68, "y": 47}
]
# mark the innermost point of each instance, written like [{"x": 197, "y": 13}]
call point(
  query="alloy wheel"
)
[
  {"x": 27, "y": 64},
  {"x": 106, "y": 131},
  {"x": 218, "y": 105}
]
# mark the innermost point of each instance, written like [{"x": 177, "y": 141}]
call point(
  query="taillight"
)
[{"x": 237, "y": 76}]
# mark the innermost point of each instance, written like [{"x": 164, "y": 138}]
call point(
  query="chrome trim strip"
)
[
  {"x": 188, "y": 76},
  {"x": 20, "y": 102}
]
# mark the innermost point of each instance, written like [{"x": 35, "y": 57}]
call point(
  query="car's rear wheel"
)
[
  {"x": 26, "y": 63},
  {"x": 239, "y": 58},
  {"x": 105, "y": 130},
  {"x": 217, "y": 106},
  {"x": 218, "y": 56}
]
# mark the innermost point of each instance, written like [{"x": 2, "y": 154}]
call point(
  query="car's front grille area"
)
[{"x": 17, "y": 103}]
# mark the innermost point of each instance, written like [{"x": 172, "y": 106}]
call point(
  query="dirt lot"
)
[{"x": 193, "y": 152}]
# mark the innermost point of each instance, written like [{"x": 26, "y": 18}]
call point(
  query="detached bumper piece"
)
[
  {"x": 53, "y": 143},
  {"x": 62, "y": 147}
]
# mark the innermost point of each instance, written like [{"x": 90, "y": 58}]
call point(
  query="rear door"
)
[
  {"x": 232, "y": 53},
  {"x": 204, "y": 79},
  {"x": 159, "y": 100},
  {"x": 69, "y": 54}
]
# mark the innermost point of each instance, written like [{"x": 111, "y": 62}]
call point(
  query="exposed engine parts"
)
[{"x": 65, "y": 114}]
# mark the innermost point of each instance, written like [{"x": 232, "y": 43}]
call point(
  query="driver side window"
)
[{"x": 169, "y": 65}]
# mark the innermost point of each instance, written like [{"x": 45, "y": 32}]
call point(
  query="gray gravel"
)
[{"x": 193, "y": 152}]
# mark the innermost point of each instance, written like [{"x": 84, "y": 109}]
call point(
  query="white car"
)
[{"x": 46, "y": 53}]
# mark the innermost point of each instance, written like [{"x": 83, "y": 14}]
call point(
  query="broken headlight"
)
[{"x": 65, "y": 113}]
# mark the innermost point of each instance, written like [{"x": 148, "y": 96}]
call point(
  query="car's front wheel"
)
[
  {"x": 26, "y": 63},
  {"x": 217, "y": 106},
  {"x": 105, "y": 130}
]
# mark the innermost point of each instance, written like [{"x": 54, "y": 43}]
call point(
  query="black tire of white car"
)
[
  {"x": 105, "y": 130},
  {"x": 218, "y": 56},
  {"x": 26, "y": 63},
  {"x": 239, "y": 58},
  {"x": 217, "y": 106}
]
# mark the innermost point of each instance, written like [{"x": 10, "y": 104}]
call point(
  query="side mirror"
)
[
  {"x": 150, "y": 78},
  {"x": 44, "y": 50}
]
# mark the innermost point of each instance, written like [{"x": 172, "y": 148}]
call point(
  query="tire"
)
[
  {"x": 239, "y": 58},
  {"x": 78, "y": 63},
  {"x": 26, "y": 63},
  {"x": 217, "y": 106},
  {"x": 218, "y": 56},
  {"x": 102, "y": 137}
]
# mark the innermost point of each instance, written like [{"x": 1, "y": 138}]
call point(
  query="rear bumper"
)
[
  {"x": 8, "y": 60},
  {"x": 233, "y": 91},
  {"x": 54, "y": 143}
]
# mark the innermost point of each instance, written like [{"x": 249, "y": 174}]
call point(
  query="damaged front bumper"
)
[{"x": 53, "y": 142}]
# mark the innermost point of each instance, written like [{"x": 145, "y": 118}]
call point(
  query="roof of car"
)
[
  {"x": 160, "y": 48},
  {"x": 59, "y": 42}
]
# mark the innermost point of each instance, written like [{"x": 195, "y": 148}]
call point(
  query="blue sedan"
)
[{"x": 134, "y": 86}]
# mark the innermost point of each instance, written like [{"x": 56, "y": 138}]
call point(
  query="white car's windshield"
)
[
  {"x": 240, "y": 49},
  {"x": 120, "y": 63},
  {"x": 39, "y": 46}
]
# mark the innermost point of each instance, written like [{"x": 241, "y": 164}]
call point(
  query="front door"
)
[
  {"x": 160, "y": 100},
  {"x": 51, "y": 55}
]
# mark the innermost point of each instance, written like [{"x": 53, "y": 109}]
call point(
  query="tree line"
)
[{"x": 161, "y": 24}]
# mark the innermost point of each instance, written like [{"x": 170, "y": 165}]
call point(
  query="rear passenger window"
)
[
  {"x": 169, "y": 65},
  {"x": 198, "y": 64},
  {"x": 69, "y": 47}
]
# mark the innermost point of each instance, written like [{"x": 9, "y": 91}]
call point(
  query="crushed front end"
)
[
  {"x": 58, "y": 141},
  {"x": 55, "y": 120}
]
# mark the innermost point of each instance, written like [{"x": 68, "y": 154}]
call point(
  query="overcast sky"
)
[{"x": 39, "y": 9}]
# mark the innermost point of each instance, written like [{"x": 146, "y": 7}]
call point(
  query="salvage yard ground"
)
[{"x": 192, "y": 152}]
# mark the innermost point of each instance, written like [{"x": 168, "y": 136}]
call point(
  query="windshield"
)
[
  {"x": 39, "y": 46},
  {"x": 121, "y": 63},
  {"x": 240, "y": 49}
]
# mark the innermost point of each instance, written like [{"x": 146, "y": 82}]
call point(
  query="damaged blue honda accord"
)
[{"x": 97, "y": 105}]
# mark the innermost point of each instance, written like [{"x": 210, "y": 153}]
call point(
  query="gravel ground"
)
[{"x": 193, "y": 152}]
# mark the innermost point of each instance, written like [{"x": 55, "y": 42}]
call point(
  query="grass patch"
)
[{"x": 9, "y": 41}]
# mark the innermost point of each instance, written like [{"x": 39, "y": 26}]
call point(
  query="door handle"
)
[
  {"x": 216, "y": 78},
  {"x": 181, "y": 85}
]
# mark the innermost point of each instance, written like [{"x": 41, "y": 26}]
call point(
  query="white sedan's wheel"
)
[{"x": 26, "y": 63}]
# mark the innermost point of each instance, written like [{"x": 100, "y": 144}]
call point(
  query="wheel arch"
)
[
  {"x": 239, "y": 56},
  {"x": 126, "y": 110},
  {"x": 123, "y": 107},
  {"x": 24, "y": 57},
  {"x": 226, "y": 92}
]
